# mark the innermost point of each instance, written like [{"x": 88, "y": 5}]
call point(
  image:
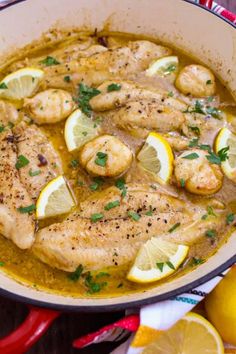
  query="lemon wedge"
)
[
  {"x": 156, "y": 157},
  {"x": 163, "y": 67},
  {"x": 20, "y": 84},
  {"x": 79, "y": 129},
  {"x": 157, "y": 259},
  {"x": 55, "y": 199},
  {"x": 193, "y": 334},
  {"x": 226, "y": 139}
]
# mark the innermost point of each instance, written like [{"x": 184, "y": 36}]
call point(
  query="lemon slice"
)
[
  {"x": 79, "y": 129},
  {"x": 163, "y": 66},
  {"x": 157, "y": 259},
  {"x": 55, "y": 199},
  {"x": 156, "y": 157},
  {"x": 226, "y": 139},
  {"x": 21, "y": 83},
  {"x": 193, "y": 334}
]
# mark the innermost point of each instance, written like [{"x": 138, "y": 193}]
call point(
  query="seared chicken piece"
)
[
  {"x": 44, "y": 162},
  {"x": 50, "y": 106},
  {"x": 116, "y": 238},
  {"x": 177, "y": 142},
  {"x": 141, "y": 117},
  {"x": 199, "y": 175},
  {"x": 106, "y": 156},
  {"x": 8, "y": 113},
  {"x": 15, "y": 225},
  {"x": 196, "y": 80}
]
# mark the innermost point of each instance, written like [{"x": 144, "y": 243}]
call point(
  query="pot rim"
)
[{"x": 129, "y": 304}]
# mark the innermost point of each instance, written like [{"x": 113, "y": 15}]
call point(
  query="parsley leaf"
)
[
  {"x": 67, "y": 78},
  {"x": 149, "y": 212},
  {"x": 74, "y": 163},
  {"x": 2, "y": 128},
  {"x": 170, "y": 94},
  {"x": 2, "y": 264},
  {"x": 96, "y": 217},
  {"x": 101, "y": 159},
  {"x": 170, "y": 69},
  {"x": 3, "y": 86},
  {"x": 97, "y": 182},
  {"x": 223, "y": 154},
  {"x": 218, "y": 158},
  {"x": 49, "y": 61},
  {"x": 133, "y": 215},
  {"x": 230, "y": 218},
  {"x": 191, "y": 156},
  {"x": 34, "y": 173},
  {"x": 182, "y": 182},
  {"x": 112, "y": 205},
  {"x": 93, "y": 287},
  {"x": 22, "y": 161},
  {"x": 174, "y": 227},
  {"x": 197, "y": 261},
  {"x": 196, "y": 130},
  {"x": 120, "y": 183},
  {"x": 75, "y": 276},
  {"x": 210, "y": 233},
  {"x": 113, "y": 87},
  {"x": 208, "y": 82},
  {"x": 85, "y": 95},
  {"x": 193, "y": 142},
  {"x": 102, "y": 274},
  {"x": 27, "y": 209}
]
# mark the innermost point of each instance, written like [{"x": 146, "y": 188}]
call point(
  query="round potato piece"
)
[
  {"x": 105, "y": 156},
  {"x": 198, "y": 175},
  {"x": 50, "y": 106},
  {"x": 196, "y": 80}
]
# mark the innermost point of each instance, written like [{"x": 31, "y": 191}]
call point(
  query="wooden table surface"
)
[{"x": 59, "y": 337}]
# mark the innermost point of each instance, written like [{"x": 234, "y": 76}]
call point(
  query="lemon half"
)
[
  {"x": 226, "y": 139},
  {"x": 55, "y": 199},
  {"x": 156, "y": 156},
  {"x": 20, "y": 84},
  {"x": 191, "y": 335},
  {"x": 157, "y": 259},
  {"x": 79, "y": 129}
]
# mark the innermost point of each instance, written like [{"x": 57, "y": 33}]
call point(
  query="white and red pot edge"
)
[{"x": 176, "y": 22}]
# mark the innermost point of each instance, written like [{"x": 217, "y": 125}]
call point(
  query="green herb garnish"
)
[
  {"x": 193, "y": 142},
  {"x": 34, "y": 173},
  {"x": 75, "y": 276},
  {"x": 197, "y": 261},
  {"x": 27, "y": 209},
  {"x": 174, "y": 227},
  {"x": 196, "y": 130},
  {"x": 74, "y": 163},
  {"x": 170, "y": 69},
  {"x": 120, "y": 183},
  {"x": 160, "y": 266},
  {"x": 170, "y": 94},
  {"x": 102, "y": 274},
  {"x": 3, "y": 86},
  {"x": 85, "y": 95},
  {"x": 133, "y": 215},
  {"x": 97, "y": 182},
  {"x": 2, "y": 128},
  {"x": 67, "y": 78},
  {"x": 22, "y": 161},
  {"x": 93, "y": 287},
  {"x": 219, "y": 157},
  {"x": 182, "y": 182},
  {"x": 49, "y": 61},
  {"x": 149, "y": 212},
  {"x": 191, "y": 156},
  {"x": 230, "y": 218},
  {"x": 210, "y": 233},
  {"x": 112, "y": 205},
  {"x": 113, "y": 87},
  {"x": 101, "y": 159},
  {"x": 2, "y": 264},
  {"x": 208, "y": 82},
  {"x": 96, "y": 217}
]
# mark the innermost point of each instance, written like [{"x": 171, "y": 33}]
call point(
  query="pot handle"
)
[
  {"x": 34, "y": 326},
  {"x": 207, "y": 3}
]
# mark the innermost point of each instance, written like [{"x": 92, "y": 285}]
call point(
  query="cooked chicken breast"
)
[
  {"x": 14, "y": 223},
  {"x": 44, "y": 161},
  {"x": 8, "y": 113},
  {"x": 116, "y": 238},
  {"x": 50, "y": 106},
  {"x": 105, "y": 156}
]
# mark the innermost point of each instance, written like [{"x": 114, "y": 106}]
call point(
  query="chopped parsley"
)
[
  {"x": 3, "y": 86},
  {"x": 170, "y": 69},
  {"x": 96, "y": 217},
  {"x": 120, "y": 183},
  {"x": 174, "y": 227},
  {"x": 34, "y": 173},
  {"x": 97, "y": 121},
  {"x": 113, "y": 87},
  {"x": 112, "y": 205},
  {"x": 75, "y": 276},
  {"x": 196, "y": 130},
  {"x": 133, "y": 215},
  {"x": 97, "y": 182},
  {"x": 102, "y": 274},
  {"x": 230, "y": 218},
  {"x": 49, "y": 61},
  {"x": 2, "y": 128},
  {"x": 191, "y": 156},
  {"x": 22, "y": 161},
  {"x": 210, "y": 233},
  {"x": 170, "y": 94},
  {"x": 210, "y": 212},
  {"x": 208, "y": 82},
  {"x": 74, "y": 163},
  {"x": 93, "y": 286},
  {"x": 149, "y": 212},
  {"x": 85, "y": 95},
  {"x": 200, "y": 109},
  {"x": 80, "y": 183},
  {"x": 27, "y": 209},
  {"x": 193, "y": 142},
  {"x": 182, "y": 182},
  {"x": 67, "y": 78},
  {"x": 101, "y": 159},
  {"x": 197, "y": 261},
  {"x": 210, "y": 99},
  {"x": 84, "y": 133},
  {"x": 219, "y": 157},
  {"x": 205, "y": 147},
  {"x": 2, "y": 264}
]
